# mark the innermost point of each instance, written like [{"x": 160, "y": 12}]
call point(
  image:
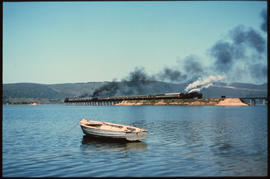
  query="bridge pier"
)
[
  {"x": 252, "y": 102},
  {"x": 265, "y": 102}
]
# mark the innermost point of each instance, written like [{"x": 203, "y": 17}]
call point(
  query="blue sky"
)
[{"x": 68, "y": 42}]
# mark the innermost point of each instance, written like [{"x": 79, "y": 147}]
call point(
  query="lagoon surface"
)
[{"x": 46, "y": 140}]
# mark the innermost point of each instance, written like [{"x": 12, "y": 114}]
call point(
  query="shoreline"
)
[
  {"x": 187, "y": 102},
  {"x": 165, "y": 102}
]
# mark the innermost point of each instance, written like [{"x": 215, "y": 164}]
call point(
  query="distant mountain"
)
[
  {"x": 235, "y": 90},
  {"x": 56, "y": 93},
  {"x": 30, "y": 92},
  {"x": 76, "y": 89}
]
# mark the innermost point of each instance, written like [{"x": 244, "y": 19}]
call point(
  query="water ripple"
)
[{"x": 182, "y": 141}]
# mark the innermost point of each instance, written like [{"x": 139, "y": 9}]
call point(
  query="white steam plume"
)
[{"x": 203, "y": 83}]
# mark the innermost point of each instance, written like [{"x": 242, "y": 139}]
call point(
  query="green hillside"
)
[
  {"x": 30, "y": 92},
  {"x": 56, "y": 93}
]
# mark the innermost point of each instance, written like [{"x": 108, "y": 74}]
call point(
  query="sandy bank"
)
[
  {"x": 231, "y": 102},
  {"x": 189, "y": 102},
  {"x": 129, "y": 103}
]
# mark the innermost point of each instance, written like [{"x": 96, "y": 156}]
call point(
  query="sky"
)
[{"x": 71, "y": 42}]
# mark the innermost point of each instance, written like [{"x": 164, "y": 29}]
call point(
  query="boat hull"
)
[
  {"x": 102, "y": 133},
  {"x": 121, "y": 135}
]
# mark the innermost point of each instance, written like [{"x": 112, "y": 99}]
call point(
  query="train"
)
[
  {"x": 180, "y": 95},
  {"x": 192, "y": 95}
]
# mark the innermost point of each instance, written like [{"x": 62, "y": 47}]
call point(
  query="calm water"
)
[{"x": 46, "y": 140}]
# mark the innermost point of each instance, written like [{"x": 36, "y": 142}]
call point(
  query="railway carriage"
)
[{"x": 179, "y": 95}]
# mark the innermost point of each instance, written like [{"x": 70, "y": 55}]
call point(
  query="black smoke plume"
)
[
  {"x": 243, "y": 45},
  {"x": 133, "y": 84},
  {"x": 136, "y": 82},
  {"x": 248, "y": 37},
  {"x": 223, "y": 52},
  {"x": 193, "y": 68},
  {"x": 264, "y": 17},
  {"x": 138, "y": 76},
  {"x": 171, "y": 75},
  {"x": 258, "y": 71},
  {"x": 240, "y": 52},
  {"x": 107, "y": 89}
]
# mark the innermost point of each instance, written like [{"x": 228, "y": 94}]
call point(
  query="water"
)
[{"x": 46, "y": 140}]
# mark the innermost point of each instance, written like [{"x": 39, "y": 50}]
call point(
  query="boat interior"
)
[{"x": 108, "y": 126}]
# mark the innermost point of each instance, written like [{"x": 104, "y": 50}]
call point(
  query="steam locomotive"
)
[{"x": 180, "y": 95}]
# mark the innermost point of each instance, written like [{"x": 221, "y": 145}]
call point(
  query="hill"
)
[{"x": 56, "y": 93}]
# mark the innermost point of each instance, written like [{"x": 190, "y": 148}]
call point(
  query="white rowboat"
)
[{"x": 111, "y": 130}]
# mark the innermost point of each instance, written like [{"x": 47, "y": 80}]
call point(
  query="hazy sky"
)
[{"x": 67, "y": 42}]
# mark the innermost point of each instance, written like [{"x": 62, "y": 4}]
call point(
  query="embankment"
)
[
  {"x": 231, "y": 102},
  {"x": 187, "y": 102}
]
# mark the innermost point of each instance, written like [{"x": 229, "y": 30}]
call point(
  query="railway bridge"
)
[
  {"x": 104, "y": 101},
  {"x": 114, "y": 100},
  {"x": 255, "y": 100}
]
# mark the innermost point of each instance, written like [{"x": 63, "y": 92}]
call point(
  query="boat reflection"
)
[{"x": 103, "y": 144}]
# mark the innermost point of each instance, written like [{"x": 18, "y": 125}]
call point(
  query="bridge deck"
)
[{"x": 111, "y": 99}]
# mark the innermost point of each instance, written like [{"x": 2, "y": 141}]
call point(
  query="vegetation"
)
[
  {"x": 26, "y": 93},
  {"x": 206, "y": 101}
]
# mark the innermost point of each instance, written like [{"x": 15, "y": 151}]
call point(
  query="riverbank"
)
[
  {"x": 231, "y": 102},
  {"x": 187, "y": 102}
]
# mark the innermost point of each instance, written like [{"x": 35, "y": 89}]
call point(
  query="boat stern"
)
[{"x": 134, "y": 136}]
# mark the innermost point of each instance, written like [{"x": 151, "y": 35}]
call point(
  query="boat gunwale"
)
[{"x": 91, "y": 127}]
